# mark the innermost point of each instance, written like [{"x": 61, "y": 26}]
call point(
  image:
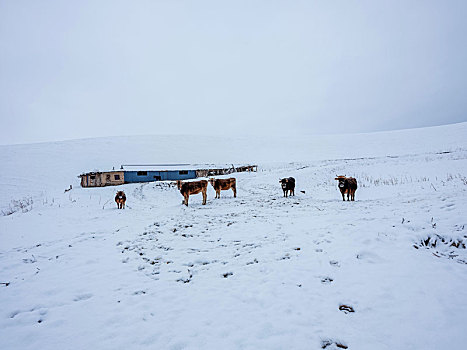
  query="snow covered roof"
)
[{"x": 174, "y": 167}]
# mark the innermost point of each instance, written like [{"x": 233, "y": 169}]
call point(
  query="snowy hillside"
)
[{"x": 260, "y": 271}]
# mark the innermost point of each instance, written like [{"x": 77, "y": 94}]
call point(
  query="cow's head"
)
[
  {"x": 341, "y": 180},
  {"x": 283, "y": 183}
]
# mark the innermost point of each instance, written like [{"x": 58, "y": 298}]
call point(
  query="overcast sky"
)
[{"x": 74, "y": 69}]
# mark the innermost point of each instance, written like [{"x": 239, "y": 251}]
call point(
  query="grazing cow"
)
[
  {"x": 288, "y": 186},
  {"x": 193, "y": 187},
  {"x": 224, "y": 184},
  {"x": 120, "y": 199},
  {"x": 347, "y": 185}
]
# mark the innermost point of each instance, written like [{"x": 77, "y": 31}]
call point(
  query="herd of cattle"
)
[{"x": 347, "y": 185}]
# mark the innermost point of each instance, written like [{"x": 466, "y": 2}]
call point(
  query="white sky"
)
[{"x": 101, "y": 68}]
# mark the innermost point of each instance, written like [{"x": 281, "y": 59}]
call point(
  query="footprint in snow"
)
[
  {"x": 82, "y": 297},
  {"x": 255, "y": 261},
  {"x": 326, "y": 280},
  {"x": 346, "y": 308},
  {"x": 15, "y": 313},
  {"x": 331, "y": 344}
]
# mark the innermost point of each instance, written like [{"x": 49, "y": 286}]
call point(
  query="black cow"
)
[{"x": 288, "y": 186}]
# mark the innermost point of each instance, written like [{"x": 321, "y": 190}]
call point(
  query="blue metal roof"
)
[{"x": 131, "y": 176}]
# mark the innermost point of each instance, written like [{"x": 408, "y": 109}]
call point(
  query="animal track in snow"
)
[
  {"x": 329, "y": 344},
  {"x": 255, "y": 261},
  {"x": 31, "y": 314},
  {"x": 346, "y": 308},
  {"x": 82, "y": 297}
]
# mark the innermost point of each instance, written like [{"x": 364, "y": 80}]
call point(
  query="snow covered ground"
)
[{"x": 260, "y": 271}]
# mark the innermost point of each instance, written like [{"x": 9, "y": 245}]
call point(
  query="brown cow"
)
[
  {"x": 224, "y": 184},
  {"x": 193, "y": 187},
  {"x": 120, "y": 199},
  {"x": 347, "y": 185}
]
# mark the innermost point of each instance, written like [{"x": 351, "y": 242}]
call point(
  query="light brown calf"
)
[
  {"x": 223, "y": 185},
  {"x": 193, "y": 187}
]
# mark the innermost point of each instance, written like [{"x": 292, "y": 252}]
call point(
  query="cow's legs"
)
[
  {"x": 204, "y": 197},
  {"x": 218, "y": 194},
  {"x": 234, "y": 190},
  {"x": 343, "y": 195},
  {"x": 186, "y": 199}
]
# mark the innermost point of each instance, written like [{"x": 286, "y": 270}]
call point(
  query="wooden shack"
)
[
  {"x": 101, "y": 179},
  {"x": 225, "y": 171}
]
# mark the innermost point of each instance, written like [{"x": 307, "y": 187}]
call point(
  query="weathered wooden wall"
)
[{"x": 101, "y": 179}]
